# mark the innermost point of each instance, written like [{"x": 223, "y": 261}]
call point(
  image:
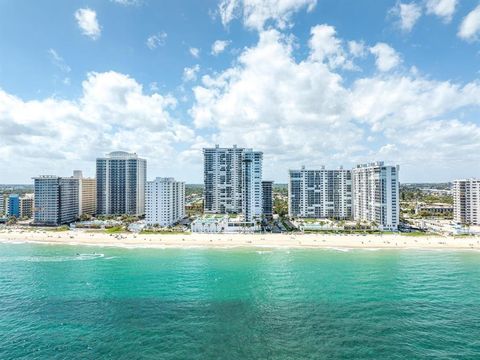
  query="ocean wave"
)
[{"x": 78, "y": 257}]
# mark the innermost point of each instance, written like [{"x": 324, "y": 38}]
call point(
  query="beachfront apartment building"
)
[
  {"x": 55, "y": 200},
  {"x": 233, "y": 181},
  {"x": 2, "y": 206},
  {"x": 13, "y": 205},
  {"x": 165, "y": 202},
  {"x": 87, "y": 194},
  {"x": 26, "y": 206},
  {"x": 121, "y": 178},
  {"x": 320, "y": 193},
  {"x": 252, "y": 197},
  {"x": 267, "y": 199},
  {"x": 466, "y": 201},
  {"x": 376, "y": 199}
]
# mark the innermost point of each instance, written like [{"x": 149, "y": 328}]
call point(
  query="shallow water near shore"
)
[{"x": 82, "y": 302}]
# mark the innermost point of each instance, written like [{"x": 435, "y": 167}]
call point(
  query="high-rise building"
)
[
  {"x": 466, "y": 201},
  {"x": 267, "y": 199},
  {"x": 252, "y": 185},
  {"x": 13, "y": 208},
  {"x": 375, "y": 189},
  {"x": 232, "y": 178},
  {"x": 121, "y": 178},
  {"x": 223, "y": 180},
  {"x": 26, "y": 206},
  {"x": 320, "y": 193},
  {"x": 87, "y": 194},
  {"x": 2, "y": 206},
  {"x": 55, "y": 200},
  {"x": 165, "y": 201}
]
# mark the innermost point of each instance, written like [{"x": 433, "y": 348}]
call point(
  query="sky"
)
[{"x": 308, "y": 82}]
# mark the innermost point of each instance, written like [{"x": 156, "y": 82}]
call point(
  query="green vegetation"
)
[
  {"x": 280, "y": 206},
  {"x": 115, "y": 230},
  {"x": 59, "y": 228}
]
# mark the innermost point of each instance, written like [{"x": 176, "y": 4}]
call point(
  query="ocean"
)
[{"x": 77, "y": 302}]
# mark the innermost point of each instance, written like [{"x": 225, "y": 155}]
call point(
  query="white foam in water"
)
[{"x": 79, "y": 257}]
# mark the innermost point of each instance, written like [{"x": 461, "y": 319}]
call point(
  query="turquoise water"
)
[{"x": 237, "y": 304}]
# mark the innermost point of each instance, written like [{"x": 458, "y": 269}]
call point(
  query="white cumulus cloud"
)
[
  {"x": 195, "y": 52},
  {"x": 470, "y": 26},
  {"x": 407, "y": 14},
  {"x": 442, "y": 8},
  {"x": 386, "y": 57},
  {"x": 190, "y": 73},
  {"x": 88, "y": 23},
  {"x": 219, "y": 46},
  {"x": 54, "y": 136},
  {"x": 256, "y": 13}
]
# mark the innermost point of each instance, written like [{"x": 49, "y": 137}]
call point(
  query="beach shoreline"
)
[{"x": 236, "y": 241}]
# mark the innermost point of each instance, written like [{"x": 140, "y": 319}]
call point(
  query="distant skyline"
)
[{"x": 308, "y": 82}]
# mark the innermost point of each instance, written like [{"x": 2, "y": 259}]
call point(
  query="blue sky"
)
[{"x": 309, "y": 82}]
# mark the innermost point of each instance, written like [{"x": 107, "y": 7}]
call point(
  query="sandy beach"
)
[{"x": 347, "y": 241}]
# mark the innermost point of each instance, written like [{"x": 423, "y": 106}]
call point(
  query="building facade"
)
[
  {"x": 55, "y": 200},
  {"x": 26, "y": 206},
  {"x": 2, "y": 204},
  {"x": 87, "y": 194},
  {"x": 267, "y": 199},
  {"x": 320, "y": 193},
  {"x": 232, "y": 178},
  {"x": 466, "y": 201},
  {"x": 121, "y": 179},
  {"x": 13, "y": 205},
  {"x": 252, "y": 185},
  {"x": 376, "y": 199},
  {"x": 165, "y": 202}
]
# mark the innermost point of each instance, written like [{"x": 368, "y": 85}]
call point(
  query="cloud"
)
[
  {"x": 325, "y": 46},
  {"x": 195, "y": 52},
  {"x": 386, "y": 57},
  {"x": 442, "y": 8},
  {"x": 219, "y": 46},
  {"x": 357, "y": 48},
  {"x": 407, "y": 14},
  {"x": 190, "y": 74},
  {"x": 112, "y": 113},
  {"x": 58, "y": 61},
  {"x": 88, "y": 23},
  {"x": 127, "y": 2},
  {"x": 301, "y": 111},
  {"x": 256, "y": 13},
  {"x": 156, "y": 40},
  {"x": 470, "y": 26}
]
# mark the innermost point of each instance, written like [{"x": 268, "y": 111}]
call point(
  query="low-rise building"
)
[
  {"x": 434, "y": 209},
  {"x": 223, "y": 224}
]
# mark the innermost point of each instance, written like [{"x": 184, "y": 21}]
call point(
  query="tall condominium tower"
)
[
  {"x": 165, "y": 201},
  {"x": 55, "y": 200},
  {"x": 223, "y": 180},
  {"x": 121, "y": 178},
  {"x": 252, "y": 184},
  {"x": 466, "y": 201},
  {"x": 87, "y": 194},
  {"x": 376, "y": 198},
  {"x": 267, "y": 199},
  {"x": 320, "y": 193},
  {"x": 232, "y": 178},
  {"x": 2, "y": 207}
]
